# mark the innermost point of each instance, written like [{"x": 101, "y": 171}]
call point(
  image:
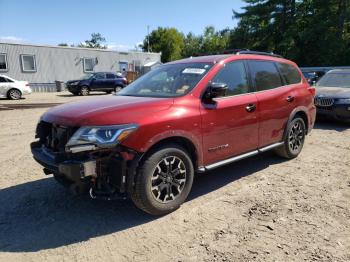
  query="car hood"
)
[
  {"x": 72, "y": 81},
  {"x": 333, "y": 92},
  {"x": 111, "y": 110}
]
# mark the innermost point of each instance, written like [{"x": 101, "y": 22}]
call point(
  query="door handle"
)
[
  {"x": 290, "y": 99},
  {"x": 250, "y": 108}
]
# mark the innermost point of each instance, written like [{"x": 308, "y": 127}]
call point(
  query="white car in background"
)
[{"x": 13, "y": 89}]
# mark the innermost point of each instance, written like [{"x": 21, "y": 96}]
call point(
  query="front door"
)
[
  {"x": 99, "y": 82},
  {"x": 230, "y": 125}
]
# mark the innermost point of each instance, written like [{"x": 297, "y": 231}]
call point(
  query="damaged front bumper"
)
[{"x": 106, "y": 174}]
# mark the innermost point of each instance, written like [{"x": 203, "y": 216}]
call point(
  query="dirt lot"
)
[{"x": 260, "y": 209}]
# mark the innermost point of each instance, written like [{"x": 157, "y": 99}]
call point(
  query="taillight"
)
[
  {"x": 312, "y": 90},
  {"x": 125, "y": 81},
  {"x": 26, "y": 84}
]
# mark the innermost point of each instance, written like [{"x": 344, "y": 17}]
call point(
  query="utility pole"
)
[{"x": 148, "y": 38}]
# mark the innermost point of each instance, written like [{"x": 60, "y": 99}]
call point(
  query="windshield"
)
[
  {"x": 86, "y": 76},
  {"x": 170, "y": 80},
  {"x": 335, "y": 80}
]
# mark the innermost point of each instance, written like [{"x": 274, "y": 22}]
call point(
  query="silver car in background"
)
[{"x": 13, "y": 89}]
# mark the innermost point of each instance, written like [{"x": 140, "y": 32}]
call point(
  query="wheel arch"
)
[
  {"x": 298, "y": 112},
  {"x": 13, "y": 88},
  {"x": 186, "y": 143}
]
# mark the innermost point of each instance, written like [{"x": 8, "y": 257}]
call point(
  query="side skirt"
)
[{"x": 239, "y": 157}]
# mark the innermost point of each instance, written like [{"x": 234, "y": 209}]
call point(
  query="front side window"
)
[
  {"x": 3, "y": 62},
  {"x": 99, "y": 76},
  {"x": 89, "y": 64},
  {"x": 28, "y": 63},
  {"x": 265, "y": 75},
  {"x": 235, "y": 77},
  {"x": 289, "y": 73},
  {"x": 170, "y": 80}
]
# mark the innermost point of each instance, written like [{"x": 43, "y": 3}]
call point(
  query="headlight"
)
[
  {"x": 74, "y": 83},
  {"x": 343, "y": 100},
  {"x": 90, "y": 137}
]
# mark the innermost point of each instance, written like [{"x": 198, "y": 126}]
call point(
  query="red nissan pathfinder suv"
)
[{"x": 187, "y": 116}]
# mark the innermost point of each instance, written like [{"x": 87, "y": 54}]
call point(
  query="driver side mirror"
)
[{"x": 215, "y": 90}]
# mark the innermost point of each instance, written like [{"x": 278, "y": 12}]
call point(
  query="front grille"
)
[
  {"x": 54, "y": 137},
  {"x": 324, "y": 101}
]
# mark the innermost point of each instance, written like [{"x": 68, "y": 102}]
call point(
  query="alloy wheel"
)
[
  {"x": 168, "y": 179},
  {"x": 15, "y": 94},
  {"x": 296, "y": 136},
  {"x": 84, "y": 91}
]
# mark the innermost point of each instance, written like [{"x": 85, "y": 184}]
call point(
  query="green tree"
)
[
  {"x": 168, "y": 41},
  {"x": 62, "y": 44},
  {"x": 192, "y": 45},
  {"x": 215, "y": 41},
  {"x": 95, "y": 42},
  {"x": 311, "y": 32}
]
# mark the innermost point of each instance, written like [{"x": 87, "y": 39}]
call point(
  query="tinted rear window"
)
[
  {"x": 110, "y": 76},
  {"x": 265, "y": 75},
  {"x": 289, "y": 73}
]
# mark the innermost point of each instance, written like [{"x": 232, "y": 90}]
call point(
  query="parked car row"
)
[
  {"x": 100, "y": 81},
  {"x": 313, "y": 76}
]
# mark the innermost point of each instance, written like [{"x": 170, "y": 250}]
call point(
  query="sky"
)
[{"x": 122, "y": 23}]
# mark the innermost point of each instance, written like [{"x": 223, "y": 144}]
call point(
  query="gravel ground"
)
[{"x": 260, "y": 209}]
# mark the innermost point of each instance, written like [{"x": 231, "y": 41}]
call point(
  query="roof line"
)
[{"x": 79, "y": 48}]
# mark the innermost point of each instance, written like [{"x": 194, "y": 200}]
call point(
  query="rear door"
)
[
  {"x": 230, "y": 125},
  {"x": 111, "y": 80},
  {"x": 275, "y": 100}
]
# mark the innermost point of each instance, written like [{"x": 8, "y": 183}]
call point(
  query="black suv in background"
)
[{"x": 99, "y": 81}]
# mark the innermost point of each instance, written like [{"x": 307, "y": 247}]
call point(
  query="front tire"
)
[
  {"x": 294, "y": 139},
  {"x": 14, "y": 94},
  {"x": 84, "y": 91},
  {"x": 164, "y": 180}
]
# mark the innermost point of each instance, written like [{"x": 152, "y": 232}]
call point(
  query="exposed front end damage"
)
[{"x": 106, "y": 173}]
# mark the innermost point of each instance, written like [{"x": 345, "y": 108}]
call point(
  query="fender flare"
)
[
  {"x": 197, "y": 143},
  {"x": 291, "y": 117}
]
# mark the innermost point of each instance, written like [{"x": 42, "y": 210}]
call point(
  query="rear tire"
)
[
  {"x": 294, "y": 139},
  {"x": 117, "y": 89},
  {"x": 84, "y": 91},
  {"x": 164, "y": 180},
  {"x": 14, "y": 94}
]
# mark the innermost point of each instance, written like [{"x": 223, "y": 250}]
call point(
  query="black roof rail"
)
[
  {"x": 249, "y": 52},
  {"x": 239, "y": 52}
]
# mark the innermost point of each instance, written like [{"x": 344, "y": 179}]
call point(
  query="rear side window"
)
[
  {"x": 265, "y": 75},
  {"x": 110, "y": 76},
  {"x": 3, "y": 79},
  {"x": 235, "y": 77},
  {"x": 289, "y": 73}
]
